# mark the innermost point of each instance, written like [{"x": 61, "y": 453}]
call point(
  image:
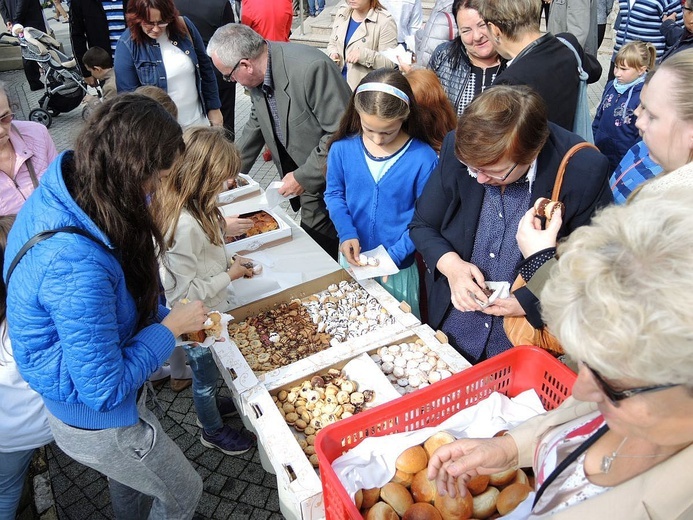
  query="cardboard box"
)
[
  {"x": 254, "y": 242},
  {"x": 298, "y": 484},
  {"x": 243, "y": 378},
  {"x": 250, "y": 186}
]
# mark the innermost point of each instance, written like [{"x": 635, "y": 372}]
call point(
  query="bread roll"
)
[
  {"x": 437, "y": 440},
  {"x": 370, "y": 497},
  {"x": 458, "y": 508},
  {"x": 502, "y": 477},
  {"x": 381, "y": 511},
  {"x": 358, "y": 499},
  {"x": 422, "y": 489},
  {"x": 397, "y": 496},
  {"x": 412, "y": 460},
  {"x": 403, "y": 478},
  {"x": 422, "y": 511},
  {"x": 478, "y": 484},
  {"x": 511, "y": 496},
  {"x": 485, "y": 503},
  {"x": 521, "y": 478}
]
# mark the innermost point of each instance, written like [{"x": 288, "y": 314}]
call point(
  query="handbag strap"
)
[
  {"x": 451, "y": 26},
  {"x": 581, "y": 72},
  {"x": 568, "y": 461},
  {"x": 564, "y": 163},
  {"x": 44, "y": 235}
]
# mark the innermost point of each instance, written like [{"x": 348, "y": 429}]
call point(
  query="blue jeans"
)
[
  {"x": 316, "y": 5},
  {"x": 204, "y": 387},
  {"x": 13, "y": 468}
]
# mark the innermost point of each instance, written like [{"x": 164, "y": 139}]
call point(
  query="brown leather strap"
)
[{"x": 564, "y": 163}]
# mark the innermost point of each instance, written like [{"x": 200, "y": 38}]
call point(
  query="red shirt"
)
[{"x": 271, "y": 19}]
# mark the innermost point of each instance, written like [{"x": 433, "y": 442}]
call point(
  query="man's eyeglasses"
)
[
  {"x": 478, "y": 171},
  {"x": 151, "y": 25},
  {"x": 7, "y": 119},
  {"x": 619, "y": 395},
  {"x": 229, "y": 77},
  {"x": 689, "y": 9}
]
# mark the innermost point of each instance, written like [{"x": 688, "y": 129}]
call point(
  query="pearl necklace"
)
[{"x": 607, "y": 460}]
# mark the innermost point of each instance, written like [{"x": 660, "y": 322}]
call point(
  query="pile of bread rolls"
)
[{"x": 411, "y": 496}]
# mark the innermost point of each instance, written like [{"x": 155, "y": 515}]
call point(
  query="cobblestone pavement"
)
[{"x": 235, "y": 487}]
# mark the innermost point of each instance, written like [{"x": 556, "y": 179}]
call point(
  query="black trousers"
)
[
  {"x": 329, "y": 244},
  {"x": 227, "y": 95}
]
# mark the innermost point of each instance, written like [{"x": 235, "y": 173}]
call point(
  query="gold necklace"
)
[{"x": 607, "y": 460}]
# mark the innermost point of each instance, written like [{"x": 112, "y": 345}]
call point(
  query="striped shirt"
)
[
  {"x": 642, "y": 20},
  {"x": 116, "y": 20}
]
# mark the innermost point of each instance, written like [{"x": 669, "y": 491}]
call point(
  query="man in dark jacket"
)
[
  {"x": 95, "y": 23},
  {"x": 29, "y": 14},
  {"x": 208, "y": 16}
]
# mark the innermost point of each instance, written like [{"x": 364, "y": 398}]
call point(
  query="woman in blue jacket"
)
[
  {"x": 82, "y": 306},
  {"x": 164, "y": 49}
]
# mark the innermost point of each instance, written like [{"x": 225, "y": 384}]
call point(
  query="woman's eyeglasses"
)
[
  {"x": 481, "y": 171},
  {"x": 7, "y": 119},
  {"x": 151, "y": 25},
  {"x": 619, "y": 395}
]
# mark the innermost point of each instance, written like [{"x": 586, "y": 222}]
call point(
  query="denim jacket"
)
[{"x": 142, "y": 64}]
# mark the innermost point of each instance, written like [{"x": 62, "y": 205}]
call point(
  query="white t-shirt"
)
[
  {"x": 182, "y": 84},
  {"x": 23, "y": 423}
]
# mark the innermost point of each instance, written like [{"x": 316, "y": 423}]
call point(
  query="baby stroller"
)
[{"x": 64, "y": 85}]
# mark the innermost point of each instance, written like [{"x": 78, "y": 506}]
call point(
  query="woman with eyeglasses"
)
[
  {"x": 164, "y": 49},
  {"x": 621, "y": 446},
  {"x": 26, "y": 149},
  {"x": 503, "y": 156}
]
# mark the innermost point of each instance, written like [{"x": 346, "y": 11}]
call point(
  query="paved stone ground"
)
[{"x": 235, "y": 487}]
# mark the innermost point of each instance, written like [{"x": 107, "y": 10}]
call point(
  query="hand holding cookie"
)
[{"x": 186, "y": 317}]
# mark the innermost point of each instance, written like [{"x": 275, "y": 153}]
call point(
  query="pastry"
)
[
  {"x": 262, "y": 223},
  {"x": 547, "y": 208}
]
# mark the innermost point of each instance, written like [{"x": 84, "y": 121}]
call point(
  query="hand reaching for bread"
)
[
  {"x": 464, "y": 459},
  {"x": 186, "y": 317},
  {"x": 469, "y": 478}
]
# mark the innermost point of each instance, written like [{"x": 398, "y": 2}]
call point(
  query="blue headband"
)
[{"x": 383, "y": 87}]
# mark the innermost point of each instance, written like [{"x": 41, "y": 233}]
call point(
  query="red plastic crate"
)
[{"x": 510, "y": 373}]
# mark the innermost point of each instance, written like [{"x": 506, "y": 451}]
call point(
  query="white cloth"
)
[
  {"x": 23, "y": 423},
  {"x": 181, "y": 84}
]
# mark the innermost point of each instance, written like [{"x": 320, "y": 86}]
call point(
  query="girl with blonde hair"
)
[
  {"x": 614, "y": 123},
  {"x": 196, "y": 266}
]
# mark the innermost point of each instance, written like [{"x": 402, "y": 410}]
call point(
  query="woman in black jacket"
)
[{"x": 468, "y": 64}]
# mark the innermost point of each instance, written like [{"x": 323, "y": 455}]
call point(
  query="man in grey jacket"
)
[{"x": 298, "y": 98}]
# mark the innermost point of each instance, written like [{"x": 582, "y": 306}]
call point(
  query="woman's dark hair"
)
[
  {"x": 502, "y": 121},
  {"x": 138, "y": 12},
  {"x": 457, "y": 50},
  {"x": 117, "y": 159},
  {"x": 383, "y": 105},
  {"x": 6, "y": 222}
]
